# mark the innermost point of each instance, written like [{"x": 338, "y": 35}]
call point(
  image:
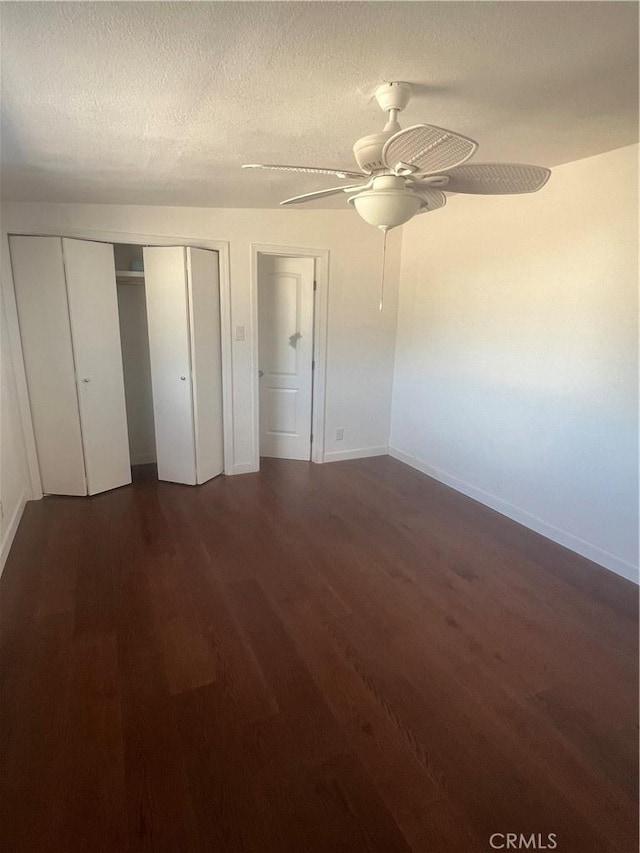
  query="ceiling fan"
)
[{"x": 404, "y": 172}]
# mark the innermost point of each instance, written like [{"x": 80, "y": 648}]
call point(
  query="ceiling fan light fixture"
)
[
  {"x": 386, "y": 209},
  {"x": 388, "y": 204}
]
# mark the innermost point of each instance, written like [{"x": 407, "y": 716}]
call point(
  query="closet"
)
[
  {"x": 134, "y": 340},
  {"x": 89, "y": 367}
]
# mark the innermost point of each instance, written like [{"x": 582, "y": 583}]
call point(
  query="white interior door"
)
[
  {"x": 165, "y": 275},
  {"x": 206, "y": 361},
  {"x": 285, "y": 336},
  {"x": 43, "y": 314},
  {"x": 95, "y": 331}
]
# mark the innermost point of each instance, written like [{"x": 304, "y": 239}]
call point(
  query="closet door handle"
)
[{"x": 86, "y": 380}]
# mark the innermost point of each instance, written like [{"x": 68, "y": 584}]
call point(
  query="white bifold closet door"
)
[
  {"x": 43, "y": 314},
  {"x": 183, "y": 311},
  {"x": 68, "y": 317},
  {"x": 95, "y": 332}
]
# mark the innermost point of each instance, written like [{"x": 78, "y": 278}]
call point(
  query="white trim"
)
[
  {"x": 10, "y": 533},
  {"x": 358, "y": 453},
  {"x": 320, "y": 325},
  {"x": 244, "y": 468},
  {"x": 220, "y": 246},
  {"x": 562, "y": 537}
]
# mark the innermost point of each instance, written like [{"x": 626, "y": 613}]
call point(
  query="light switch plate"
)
[{"x": 239, "y": 333}]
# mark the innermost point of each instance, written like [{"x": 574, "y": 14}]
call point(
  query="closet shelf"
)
[{"x": 129, "y": 276}]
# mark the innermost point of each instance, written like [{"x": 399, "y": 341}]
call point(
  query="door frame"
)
[
  {"x": 136, "y": 239},
  {"x": 320, "y": 325}
]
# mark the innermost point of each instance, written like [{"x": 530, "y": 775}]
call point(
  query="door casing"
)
[
  {"x": 320, "y": 318},
  {"x": 286, "y": 366}
]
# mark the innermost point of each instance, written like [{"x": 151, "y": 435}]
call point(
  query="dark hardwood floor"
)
[{"x": 348, "y": 657}]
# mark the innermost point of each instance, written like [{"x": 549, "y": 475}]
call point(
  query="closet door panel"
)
[
  {"x": 95, "y": 329},
  {"x": 169, "y": 347},
  {"x": 43, "y": 315},
  {"x": 206, "y": 361}
]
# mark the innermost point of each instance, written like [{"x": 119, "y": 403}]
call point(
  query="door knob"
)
[
  {"x": 183, "y": 378},
  {"x": 261, "y": 373},
  {"x": 86, "y": 380}
]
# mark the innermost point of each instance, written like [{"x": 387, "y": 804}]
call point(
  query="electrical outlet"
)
[{"x": 340, "y": 434}]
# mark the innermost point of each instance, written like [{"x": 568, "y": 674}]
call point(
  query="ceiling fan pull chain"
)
[{"x": 384, "y": 257}]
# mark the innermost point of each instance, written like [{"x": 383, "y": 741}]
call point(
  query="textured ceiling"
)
[{"x": 160, "y": 103}]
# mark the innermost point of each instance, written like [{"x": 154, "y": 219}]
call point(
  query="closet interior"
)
[
  {"x": 122, "y": 352},
  {"x": 134, "y": 343}
]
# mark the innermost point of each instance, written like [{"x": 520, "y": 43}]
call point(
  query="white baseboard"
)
[
  {"x": 244, "y": 468},
  {"x": 11, "y": 531},
  {"x": 562, "y": 537},
  {"x": 144, "y": 459},
  {"x": 358, "y": 453}
]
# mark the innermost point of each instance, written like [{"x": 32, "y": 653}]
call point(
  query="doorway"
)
[
  {"x": 290, "y": 288},
  {"x": 136, "y": 365},
  {"x": 170, "y": 332},
  {"x": 285, "y": 355}
]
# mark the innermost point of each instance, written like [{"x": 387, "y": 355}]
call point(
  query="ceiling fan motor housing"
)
[
  {"x": 392, "y": 98},
  {"x": 368, "y": 151}
]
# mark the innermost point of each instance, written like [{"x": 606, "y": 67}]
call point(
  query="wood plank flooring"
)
[{"x": 348, "y": 657}]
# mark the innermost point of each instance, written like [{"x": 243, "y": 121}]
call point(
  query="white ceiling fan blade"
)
[
  {"x": 497, "y": 178},
  {"x": 314, "y": 170},
  {"x": 433, "y": 199},
  {"x": 428, "y": 148},
  {"x": 322, "y": 193}
]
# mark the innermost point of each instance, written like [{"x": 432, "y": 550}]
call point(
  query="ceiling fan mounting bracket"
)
[{"x": 393, "y": 96}]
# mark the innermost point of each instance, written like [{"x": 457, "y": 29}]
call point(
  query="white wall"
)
[
  {"x": 15, "y": 487},
  {"x": 516, "y": 363},
  {"x": 360, "y": 339},
  {"x": 134, "y": 338}
]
